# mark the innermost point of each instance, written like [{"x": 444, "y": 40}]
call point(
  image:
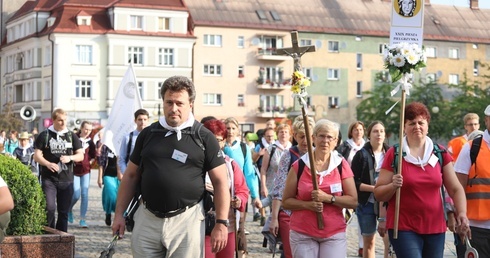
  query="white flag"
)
[{"x": 121, "y": 120}]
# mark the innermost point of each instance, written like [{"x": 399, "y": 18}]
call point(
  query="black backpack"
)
[{"x": 474, "y": 150}]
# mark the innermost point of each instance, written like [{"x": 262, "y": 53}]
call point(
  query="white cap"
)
[{"x": 487, "y": 111}]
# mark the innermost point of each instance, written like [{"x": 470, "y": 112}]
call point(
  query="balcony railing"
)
[
  {"x": 268, "y": 54},
  {"x": 273, "y": 85}
]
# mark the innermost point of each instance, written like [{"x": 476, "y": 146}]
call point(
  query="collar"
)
[
  {"x": 58, "y": 133},
  {"x": 354, "y": 145},
  {"x": 171, "y": 129},
  {"x": 334, "y": 161},
  {"x": 429, "y": 146}
]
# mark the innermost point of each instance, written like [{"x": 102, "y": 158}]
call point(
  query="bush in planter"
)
[{"x": 28, "y": 216}]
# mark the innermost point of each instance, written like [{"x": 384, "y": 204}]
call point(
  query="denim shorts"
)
[{"x": 366, "y": 218}]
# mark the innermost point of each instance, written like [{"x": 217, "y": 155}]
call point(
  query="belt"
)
[{"x": 170, "y": 213}]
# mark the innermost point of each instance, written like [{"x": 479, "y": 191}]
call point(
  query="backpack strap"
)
[
  {"x": 128, "y": 150},
  {"x": 438, "y": 152},
  {"x": 474, "y": 150},
  {"x": 294, "y": 154},
  {"x": 244, "y": 149},
  {"x": 394, "y": 164},
  {"x": 273, "y": 149},
  {"x": 301, "y": 167}
]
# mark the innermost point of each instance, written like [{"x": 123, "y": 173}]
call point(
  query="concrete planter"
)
[{"x": 54, "y": 244}]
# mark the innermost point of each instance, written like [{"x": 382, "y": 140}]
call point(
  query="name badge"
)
[
  {"x": 179, "y": 156},
  {"x": 68, "y": 145},
  {"x": 110, "y": 155},
  {"x": 433, "y": 160},
  {"x": 336, "y": 188}
]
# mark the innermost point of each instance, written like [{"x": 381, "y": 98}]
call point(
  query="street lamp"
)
[
  {"x": 435, "y": 109},
  {"x": 156, "y": 110}
]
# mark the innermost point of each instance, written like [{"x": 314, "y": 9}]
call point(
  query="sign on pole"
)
[{"x": 407, "y": 22}]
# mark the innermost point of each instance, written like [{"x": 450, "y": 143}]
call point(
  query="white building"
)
[{"x": 73, "y": 54}]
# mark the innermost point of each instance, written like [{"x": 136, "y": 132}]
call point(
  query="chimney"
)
[
  {"x": 474, "y": 5},
  {"x": 427, "y": 2}
]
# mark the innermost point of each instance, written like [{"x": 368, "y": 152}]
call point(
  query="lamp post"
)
[{"x": 156, "y": 110}]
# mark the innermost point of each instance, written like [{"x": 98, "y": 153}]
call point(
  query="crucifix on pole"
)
[{"x": 296, "y": 52}]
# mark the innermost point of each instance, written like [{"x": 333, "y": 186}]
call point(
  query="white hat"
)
[{"x": 487, "y": 111}]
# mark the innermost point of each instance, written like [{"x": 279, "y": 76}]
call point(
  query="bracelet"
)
[{"x": 381, "y": 219}]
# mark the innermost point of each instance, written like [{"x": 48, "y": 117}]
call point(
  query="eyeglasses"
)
[
  {"x": 473, "y": 124},
  {"x": 329, "y": 138}
]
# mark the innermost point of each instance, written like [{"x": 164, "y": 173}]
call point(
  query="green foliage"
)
[
  {"x": 28, "y": 216},
  {"x": 8, "y": 121},
  {"x": 374, "y": 107}
]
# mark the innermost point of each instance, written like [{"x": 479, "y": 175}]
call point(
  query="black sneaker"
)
[{"x": 108, "y": 219}]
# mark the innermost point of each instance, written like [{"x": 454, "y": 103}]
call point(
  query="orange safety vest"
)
[
  {"x": 478, "y": 188},
  {"x": 455, "y": 145}
]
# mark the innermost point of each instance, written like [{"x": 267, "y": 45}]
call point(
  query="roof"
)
[
  {"x": 357, "y": 17},
  {"x": 66, "y": 12}
]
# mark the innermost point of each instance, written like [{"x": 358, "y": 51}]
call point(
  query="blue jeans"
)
[
  {"x": 80, "y": 185},
  {"x": 412, "y": 245},
  {"x": 366, "y": 218},
  {"x": 58, "y": 197}
]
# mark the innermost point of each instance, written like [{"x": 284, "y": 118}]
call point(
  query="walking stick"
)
[{"x": 399, "y": 165}]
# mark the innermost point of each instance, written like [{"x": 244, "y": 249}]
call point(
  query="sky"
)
[{"x": 481, "y": 3}]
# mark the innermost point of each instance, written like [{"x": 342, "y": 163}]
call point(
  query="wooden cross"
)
[{"x": 296, "y": 52}]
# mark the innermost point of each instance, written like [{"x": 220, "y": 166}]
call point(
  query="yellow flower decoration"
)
[{"x": 299, "y": 81}]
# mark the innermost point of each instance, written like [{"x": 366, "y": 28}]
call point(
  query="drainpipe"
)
[{"x": 52, "y": 72}]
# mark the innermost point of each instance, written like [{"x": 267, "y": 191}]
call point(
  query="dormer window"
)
[
  {"x": 83, "y": 18},
  {"x": 51, "y": 21}
]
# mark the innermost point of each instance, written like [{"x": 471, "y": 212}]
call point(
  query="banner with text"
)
[{"x": 407, "y": 22}]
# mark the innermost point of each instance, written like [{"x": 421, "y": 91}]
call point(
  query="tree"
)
[
  {"x": 374, "y": 107},
  {"x": 8, "y": 120}
]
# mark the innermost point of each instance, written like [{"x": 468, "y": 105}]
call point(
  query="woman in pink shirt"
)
[{"x": 336, "y": 190}]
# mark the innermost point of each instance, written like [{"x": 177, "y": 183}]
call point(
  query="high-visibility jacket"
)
[
  {"x": 455, "y": 145},
  {"x": 478, "y": 188}
]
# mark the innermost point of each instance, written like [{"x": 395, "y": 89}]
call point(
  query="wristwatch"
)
[
  {"x": 332, "y": 201},
  {"x": 224, "y": 222}
]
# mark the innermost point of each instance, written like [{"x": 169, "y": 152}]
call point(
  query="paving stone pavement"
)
[{"x": 92, "y": 241}]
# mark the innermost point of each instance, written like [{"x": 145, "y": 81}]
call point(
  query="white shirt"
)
[{"x": 463, "y": 163}]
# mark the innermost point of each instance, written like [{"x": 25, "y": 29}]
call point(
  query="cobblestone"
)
[{"x": 91, "y": 241}]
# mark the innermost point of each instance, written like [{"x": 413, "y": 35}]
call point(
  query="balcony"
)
[
  {"x": 268, "y": 54},
  {"x": 273, "y": 85},
  {"x": 272, "y": 112}
]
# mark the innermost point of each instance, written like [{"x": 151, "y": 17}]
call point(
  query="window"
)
[
  {"x": 159, "y": 90},
  {"x": 333, "y": 74},
  {"x": 430, "y": 52},
  {"x": 476, "y": 68},
  {"x": 247, "y": 127},
  {"x": 135, "y": 55},
  {"x": 261, "y": 15},
  {"x": 359, "y": 89},
  {"x": 47, "y": 90},
  {"x": 454, "y": 79},
  {"x": 359, "y": 61},
  {"x": 381, "y": 48},
  {"x": 240, "y": 71},
  {"x": 166, "y": 56},
  {"x": 212, "y": 69},
  {"x": 305, "y": 42},
  {"x": 241, "y": 42},
  {"x": 275, "y": 15},
  {"x": 141, "y": 87},
  {"x": 271, "y": 103},
  {"x": 358, "y": 38},
  {"x": 212, "y": 40},
  {"x": 212, "y": 99},
  {"x": 136, "y": 22},
  {"x": 163, "y": 24},
  {"x": 307, "y": 72},
  {"x": 333, "y": 46},
  {"x": 83, "y": 89},
  {"x": 475, "y": 46},
  {"x": 83, "y": 54},
  {"x": 241, "y": 100},
  {"x": 333, "y": 102},
  {"x": 454, "y": 53},
  {"x": 430, "y": 78},
  {"x": 47, "y": 55}
]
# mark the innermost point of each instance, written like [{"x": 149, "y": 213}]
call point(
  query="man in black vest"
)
[
  {"x": 55, "y": 150},
  {"x": 170, "y": 166}
]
